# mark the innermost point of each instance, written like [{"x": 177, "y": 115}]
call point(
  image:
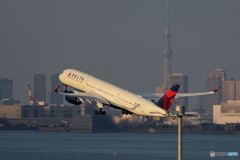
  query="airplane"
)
[{"x": 105, "y": 94}]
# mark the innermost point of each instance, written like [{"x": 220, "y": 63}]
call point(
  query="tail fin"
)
[{"x": 167, "y": 99}]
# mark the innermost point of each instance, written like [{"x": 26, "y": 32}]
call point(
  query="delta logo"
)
[{"x": 75, "y": 76}]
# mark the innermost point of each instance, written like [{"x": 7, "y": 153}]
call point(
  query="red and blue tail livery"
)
[{"x": 167, "y": 99}]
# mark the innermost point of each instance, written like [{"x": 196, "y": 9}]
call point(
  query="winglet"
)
[
  {"x": 56, "y": 89},
  {"x": 167, "y": 99},
  {"x": 217, "y": 89}
]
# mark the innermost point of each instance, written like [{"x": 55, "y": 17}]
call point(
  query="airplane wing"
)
[
  {"x": 154, "y": 96},
  {"x": 91, "y": 96}
]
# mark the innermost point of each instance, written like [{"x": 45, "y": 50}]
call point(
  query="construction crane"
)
[{"x": 31, "y": 98}]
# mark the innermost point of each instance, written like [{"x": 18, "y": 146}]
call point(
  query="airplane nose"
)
[{"x": 61, "y": 77}]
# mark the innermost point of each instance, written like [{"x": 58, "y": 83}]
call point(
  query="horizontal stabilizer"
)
[
  {"x": 56, "y": 89},
  {"x": 191, "y": 114}
]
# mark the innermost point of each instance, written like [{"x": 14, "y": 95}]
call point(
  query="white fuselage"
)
[{"x": 115, "y": 95}]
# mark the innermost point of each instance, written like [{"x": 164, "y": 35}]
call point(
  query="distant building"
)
[
  {"x": 6, "y": 88},
  {"x": 238, "y": 90},
  {"x": 227, "y": 112},
  {"x": 40, "y": 87},
  {"x": 55, "y": 98},
  {"x": 63, "y": 111},
  {"x": 176, "y": 78},
  {"x": 9, "y": 102},
  {"x": 33, "y": 111},
  {"x": 90, "y": 123},
  {"x": 212, "y": 82},
  {"x": 228, "y": 90},
  {"x": 10, "y": 111},
  {"x": 38, "y": 115}
]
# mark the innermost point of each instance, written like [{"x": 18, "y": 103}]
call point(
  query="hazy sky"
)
[{"x": 119, "y": 41}]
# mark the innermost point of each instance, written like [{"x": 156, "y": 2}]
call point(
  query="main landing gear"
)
[
  {"x": 100, "y": 112},
  {"x": 126, "y": 112}
]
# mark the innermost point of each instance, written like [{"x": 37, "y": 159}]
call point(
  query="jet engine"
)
[{"x": 74, "y": 100}]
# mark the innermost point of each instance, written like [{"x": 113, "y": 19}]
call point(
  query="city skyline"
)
[
  {"x": 119, "y": 42},
  {"x": 215, "y": 79}
]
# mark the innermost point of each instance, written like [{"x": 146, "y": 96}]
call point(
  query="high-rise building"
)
[
  {"x": 55, "y": 98},
  {"x": 6, "y": 88},
  {"x": 40, "y": 87},
  {"x": 212, "y": 82},
  {"x": 228, "y": 90},
  {"x": 238, "y": 90}
]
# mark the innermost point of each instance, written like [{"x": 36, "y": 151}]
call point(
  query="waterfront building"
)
[{"x": 227, "y": 112}]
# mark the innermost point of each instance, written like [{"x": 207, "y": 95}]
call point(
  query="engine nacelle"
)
[{"x": 74, "y": 100}]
